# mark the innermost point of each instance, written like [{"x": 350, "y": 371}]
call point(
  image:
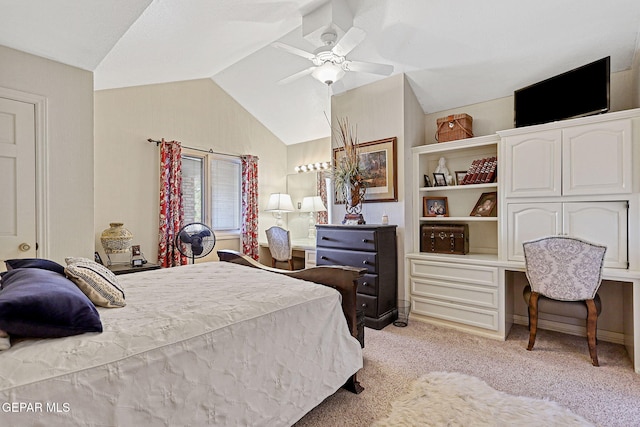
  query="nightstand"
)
[{"x": 127, "y": 269}]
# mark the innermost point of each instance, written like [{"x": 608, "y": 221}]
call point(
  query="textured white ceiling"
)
[{"x": 454, "y": 53}]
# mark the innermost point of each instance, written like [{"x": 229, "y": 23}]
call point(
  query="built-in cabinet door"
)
[
  {"x": 578, "y": 160},
  {"x": 596, "y": 158},
  {"x": 534, "y": 164},
  {"x": 599, "y": 222},
  {"x": 604, "y": 223},
  {"x": 527, "y": 221}
]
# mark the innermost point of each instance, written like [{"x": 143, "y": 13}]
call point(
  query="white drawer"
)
[
  {"x": 450, "y": 272},
  {"x": 481, "y": 318},
  {"x": 455, "y": 292}
]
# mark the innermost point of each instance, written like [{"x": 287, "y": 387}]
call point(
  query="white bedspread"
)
[{"x": 205, "y": 344}]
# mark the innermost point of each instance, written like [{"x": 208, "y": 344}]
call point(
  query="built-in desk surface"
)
[
  {"x": 475, "y": 293},
  {"x": 304, "y": 249},
  {"x": 305, "y": 244}
]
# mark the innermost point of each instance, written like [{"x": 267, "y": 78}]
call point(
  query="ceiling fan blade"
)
[
  {"x": 308, "y": 55},
  {"x": 296, "y": 76},
  {"x": 350, "y": 40},
  {"x": 369, "y": 67}
]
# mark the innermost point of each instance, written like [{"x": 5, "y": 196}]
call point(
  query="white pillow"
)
[{"x": 97, "y": 282}]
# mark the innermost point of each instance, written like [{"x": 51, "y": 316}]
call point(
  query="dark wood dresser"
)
[{"x": 370, "y": 246}]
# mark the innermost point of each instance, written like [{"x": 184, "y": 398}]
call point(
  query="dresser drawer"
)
[
  {"x": 454, "y": 292},
  {"x": 368, "y": 284},
  {"x": 366, "y": 260},
  {"x": 368, "y": 304},
  {"x": 457, "y": 273},
  {"x": 359, "y": 240},
  {"x": 458, "y": 313}
]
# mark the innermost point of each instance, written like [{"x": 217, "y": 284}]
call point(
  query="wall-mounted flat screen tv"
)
[{"x": 580, "y": 92}]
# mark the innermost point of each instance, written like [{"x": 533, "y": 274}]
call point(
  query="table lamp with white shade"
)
[
  {"x": 312, "y": 204},
  {"x": 278, "y": 203}
]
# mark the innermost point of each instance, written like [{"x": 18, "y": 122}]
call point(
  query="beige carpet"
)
[
  {"x": 558, "y": 369},
  {"x": 453, "y": 399}
]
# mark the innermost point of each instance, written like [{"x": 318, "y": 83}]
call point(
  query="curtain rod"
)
[{"x": 210, "y": 151}]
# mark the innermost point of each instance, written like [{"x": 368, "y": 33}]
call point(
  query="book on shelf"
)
[
  {"x": 491, "y": 175},
  {"x": 481, "y": 171},
  {"x": 470, "y": 172}
]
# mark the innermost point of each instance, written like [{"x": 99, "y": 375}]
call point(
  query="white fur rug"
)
[{"x": 453, "y": 399}]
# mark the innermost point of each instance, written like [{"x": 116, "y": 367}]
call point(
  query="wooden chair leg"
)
[
  {"x": 592, "y": 322},
  {"x": 273, "y": 262},
  {"x": 533, "y": 319},
  {"x": 291, "y": 264}
]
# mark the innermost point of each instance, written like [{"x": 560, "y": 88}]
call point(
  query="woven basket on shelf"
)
[{"x": 454, "y": 127}]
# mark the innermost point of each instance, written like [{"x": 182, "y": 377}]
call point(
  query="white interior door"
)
[{"x": 18, "y": 178}]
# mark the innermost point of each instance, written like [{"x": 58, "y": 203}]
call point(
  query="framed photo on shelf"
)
[
  {"x": 435, "y": 206},
  {"x": 427, "y": 181},
  {"x": 460, "y": 176},
  {"x": 486, "y": 205},
  {"x": 439, "y": 180}
]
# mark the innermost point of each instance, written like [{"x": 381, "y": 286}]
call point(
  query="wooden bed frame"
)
[{"x": 342, "y": 278}]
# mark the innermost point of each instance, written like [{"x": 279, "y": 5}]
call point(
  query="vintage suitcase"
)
[
  {"x": 444, "y": 238},
  {"x": 454, "y": 127}
]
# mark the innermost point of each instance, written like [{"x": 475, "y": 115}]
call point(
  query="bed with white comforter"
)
[{"x": 205, "y": 344}]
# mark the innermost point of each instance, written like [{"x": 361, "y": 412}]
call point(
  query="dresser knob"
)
[
  {"x": 324, "y": 238},
  {"x": 365, "y": 262},
  {"x": 324, "y": 257},
  {"x": 365, "y": 284},
  {"x": 364, "y": 305},
  {"x": 365, "y": 240}
]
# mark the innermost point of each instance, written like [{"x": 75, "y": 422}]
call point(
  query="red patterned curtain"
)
[
  {"x": 323, "y": 217},
  {"x": 171, "y": 212},
  {"x": 249, "y": 231}
]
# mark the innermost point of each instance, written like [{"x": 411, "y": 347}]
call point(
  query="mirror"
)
[{"x": 300, "y": 185}]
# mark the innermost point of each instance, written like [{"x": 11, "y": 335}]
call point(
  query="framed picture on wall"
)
[{"x": 378, "y": 159}]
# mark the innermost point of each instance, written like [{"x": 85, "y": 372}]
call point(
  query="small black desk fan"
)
[{"x": 195, "y": 240}]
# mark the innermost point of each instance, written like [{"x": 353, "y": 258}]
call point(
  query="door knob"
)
[{"x": 24, "y": 247}]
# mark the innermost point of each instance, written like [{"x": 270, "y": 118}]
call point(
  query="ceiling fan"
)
[{"x": 329, "y": 61}]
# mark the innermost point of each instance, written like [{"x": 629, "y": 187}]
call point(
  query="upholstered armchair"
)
[
  {"x": 564, "y": 275},
  {"x": 279, "y": 241}
]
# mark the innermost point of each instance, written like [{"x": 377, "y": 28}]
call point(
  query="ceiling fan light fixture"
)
[{"x": 328, "y": 73}]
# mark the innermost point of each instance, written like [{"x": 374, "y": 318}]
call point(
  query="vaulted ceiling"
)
[{"x": 453, "y": 53}]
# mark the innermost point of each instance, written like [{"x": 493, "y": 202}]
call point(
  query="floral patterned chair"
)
[
  {"x": 279, "y": 241},
  {"x": 564, "y": 275}
]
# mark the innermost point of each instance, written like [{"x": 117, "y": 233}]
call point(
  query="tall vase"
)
[
  {"x": 354, "y": 196},
  {"x": 116, "y": 239}
]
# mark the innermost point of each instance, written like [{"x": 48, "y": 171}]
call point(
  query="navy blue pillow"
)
[
  {"x": 39, "y": 303},
  {"x": 42, "y": 263}
]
